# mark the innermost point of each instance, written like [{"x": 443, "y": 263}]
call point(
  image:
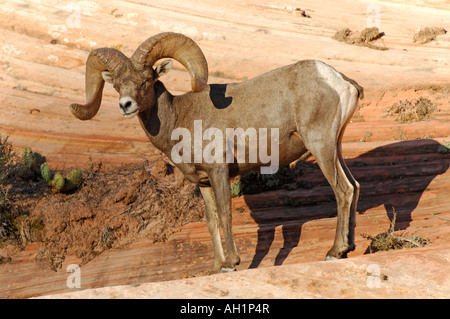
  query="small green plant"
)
[
  {"x": 60, "y": 183},
  {"x": 444, "y": 148},
  {"x": 90, "y": 164},
  {"x": 236, "y": 189}
]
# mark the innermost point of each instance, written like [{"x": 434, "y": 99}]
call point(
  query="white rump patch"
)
[{"x": 347, "y": 92}]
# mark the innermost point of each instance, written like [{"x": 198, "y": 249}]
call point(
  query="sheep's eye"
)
[{"x": 144, "y": 84}]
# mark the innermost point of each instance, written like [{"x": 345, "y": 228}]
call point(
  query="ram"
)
[{"x": 309, "y": 103}]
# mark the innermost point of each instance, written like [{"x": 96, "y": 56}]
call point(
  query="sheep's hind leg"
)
[
  {"x": 293, "y": 164},
  {"x": 329, "y": 159},
  {"x": 354, "y": 204}
]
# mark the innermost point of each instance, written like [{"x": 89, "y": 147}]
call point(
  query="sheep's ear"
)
[
  {"x": 107, "y": 76},
  {"x": 163, "y": 68}
]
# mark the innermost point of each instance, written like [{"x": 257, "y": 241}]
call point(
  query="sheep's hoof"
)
[
  {"x": 339, "y": 253},
  {"x": 223, "y": 270}
]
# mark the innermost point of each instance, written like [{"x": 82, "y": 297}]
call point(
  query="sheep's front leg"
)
[
  {"x": 220, "y": 182},
  {"x": 212, "y": 221}
]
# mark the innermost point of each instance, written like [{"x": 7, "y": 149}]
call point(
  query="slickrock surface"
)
[{"x": 420, "y": 273}]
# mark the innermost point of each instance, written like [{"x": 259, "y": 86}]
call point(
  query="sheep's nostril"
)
[{"x": 126, "y": 105}]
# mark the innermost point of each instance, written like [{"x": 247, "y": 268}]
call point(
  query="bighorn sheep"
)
[{"x": 309, "y": 102}]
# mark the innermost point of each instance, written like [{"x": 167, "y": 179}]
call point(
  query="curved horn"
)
[
  {"x": 178, "y": 47},
  {"x": 99, "y": 60}
]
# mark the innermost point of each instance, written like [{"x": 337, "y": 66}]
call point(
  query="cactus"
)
[
  {"x": 36, "y": 162},
  {"x": 73, "y": 180},
  {"x": 31, "y": 159},
  {"x": 27, "y": 156},
  {"x": 38, "y": 159},
  {"x": 46, "y": 174},
  {"x": 60, "y": 183}
]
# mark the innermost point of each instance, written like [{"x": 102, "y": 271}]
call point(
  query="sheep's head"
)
[
  {"x": 135, "y": 86},
  {"x": 134, "y": 78}
]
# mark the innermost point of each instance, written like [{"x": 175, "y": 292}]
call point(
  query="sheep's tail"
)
[
  {"x": 356, "y": 85},
  {"x": 359, "y": 88}
]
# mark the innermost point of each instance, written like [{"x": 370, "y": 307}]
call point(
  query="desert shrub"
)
[
  {"x": 412, "y": 111},
  {"x": 428, "y": 34},
  {"x": 18, "y": 180},
  {"x": 388, "y": 240},
  {"x": 6, "y": 153},
  {"x": 363, "y": 38},
  {"x": 6, "y": 156},
  {"x": 253, "y": 182}
]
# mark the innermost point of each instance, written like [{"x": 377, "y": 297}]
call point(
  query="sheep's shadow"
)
[{"x": 385, "y": 173}]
